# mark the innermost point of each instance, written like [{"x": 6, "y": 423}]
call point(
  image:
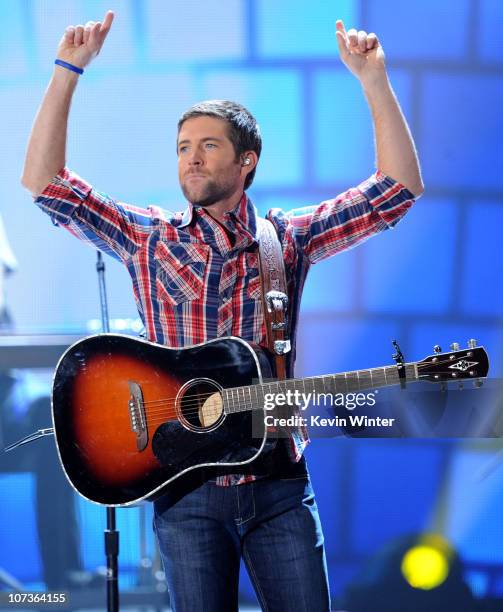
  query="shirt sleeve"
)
[
  {"x": 341, "y": 223},
  {"x": 114, "y": 227}
]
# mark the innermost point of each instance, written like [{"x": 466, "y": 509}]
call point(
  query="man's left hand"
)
[{"x": 361, "y": 53}]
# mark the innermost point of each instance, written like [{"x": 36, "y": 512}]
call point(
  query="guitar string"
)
[
  {"x": 171, "y": 406},
  {"x": 194, "y": 407},
  {"x": 154, "y": 419},
  {"x": 164, "y": 406},
  {"x": 161, "y": 402},
  {"x": 292, "y": 380},
  {"x": 207, "y": 410},
  {"x": 237, "y": 389},
  {"x": 170, "y": 412},
  {"x": 194, "y": 411},
  {"x": 171, "y": 415}
]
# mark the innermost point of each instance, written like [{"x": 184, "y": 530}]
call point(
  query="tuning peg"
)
[
  {"x": 455, "y": 346},
  {"x": 472, "y": 343},
  {"x": 443, "y": 387},
  {"x": 437, "y": 348},
  {"x": 477, "y": 383}
]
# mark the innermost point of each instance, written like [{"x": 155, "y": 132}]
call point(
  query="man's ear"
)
[{"x": 249, "y": 160}]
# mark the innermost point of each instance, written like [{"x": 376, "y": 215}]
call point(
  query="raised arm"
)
[
  {"x": 396, "y": 155},
  {"x": 46, "y": 153}
]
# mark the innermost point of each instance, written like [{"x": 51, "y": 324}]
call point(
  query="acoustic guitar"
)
[{"x": 131, "y": 416}]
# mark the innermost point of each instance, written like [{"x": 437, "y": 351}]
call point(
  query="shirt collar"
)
[{"x": 244, "y": 213}]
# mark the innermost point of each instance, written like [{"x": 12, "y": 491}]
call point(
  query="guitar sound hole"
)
[{"x": 201, "y": 406}]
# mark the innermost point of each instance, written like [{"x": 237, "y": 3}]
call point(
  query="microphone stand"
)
[{"x": 111, "y": 534}]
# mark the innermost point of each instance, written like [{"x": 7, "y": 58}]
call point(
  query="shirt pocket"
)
[
  {"x": 180, "y": 269},
  {"x": 253, "y": 289}
]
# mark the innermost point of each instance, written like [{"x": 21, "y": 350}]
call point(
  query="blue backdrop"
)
[{"x": 436, "y": 278}]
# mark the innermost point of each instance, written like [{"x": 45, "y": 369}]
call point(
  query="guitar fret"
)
[
  {"x": 231, "y": 402},
  {"x": 365, "y": 380}
]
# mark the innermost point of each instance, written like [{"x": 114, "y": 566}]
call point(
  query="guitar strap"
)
[{"x": 274, "y": 294}]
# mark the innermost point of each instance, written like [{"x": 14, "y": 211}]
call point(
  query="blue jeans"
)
[{"x": 273, "y": 523}]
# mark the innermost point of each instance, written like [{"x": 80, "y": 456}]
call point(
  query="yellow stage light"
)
[{"x": 425, "y": 566}]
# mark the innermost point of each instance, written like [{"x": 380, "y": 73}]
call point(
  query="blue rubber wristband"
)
[{"x": 69, "y": 66}]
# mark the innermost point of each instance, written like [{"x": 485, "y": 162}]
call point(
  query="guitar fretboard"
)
[{"x": 253, "y": 397}]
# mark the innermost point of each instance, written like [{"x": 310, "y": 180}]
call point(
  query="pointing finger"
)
[
  {"x": 339, "y": 28},
  {"x": 339, "y": 24},
  {"x": 104, "y": 28},
  {"x": 107, "y": 23},
  {"x": 342, "y": 43}
]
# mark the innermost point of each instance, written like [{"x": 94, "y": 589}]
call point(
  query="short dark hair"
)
[{"x": 244, "y": 132}]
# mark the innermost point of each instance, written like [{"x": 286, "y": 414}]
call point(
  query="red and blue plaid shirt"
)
[{"x": 194, "y": 281}]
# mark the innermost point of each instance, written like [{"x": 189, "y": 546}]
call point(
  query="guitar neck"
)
[{"x": 253, "y": 397}]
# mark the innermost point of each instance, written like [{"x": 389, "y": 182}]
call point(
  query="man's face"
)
[{"x": 208, "y": 170}]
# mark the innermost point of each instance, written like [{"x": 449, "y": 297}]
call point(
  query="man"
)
[{"x": 195, "y": 277}]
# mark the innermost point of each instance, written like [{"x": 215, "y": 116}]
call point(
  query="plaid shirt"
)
[{"x": 194, "y": 281}]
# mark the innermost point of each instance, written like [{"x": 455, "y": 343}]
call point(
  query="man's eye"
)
[
  {"x": 210, "y": 145},
  {"x": 182, "y": 149}
]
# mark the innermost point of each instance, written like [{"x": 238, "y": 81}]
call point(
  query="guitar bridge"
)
[{"x": 137, "y": 415}]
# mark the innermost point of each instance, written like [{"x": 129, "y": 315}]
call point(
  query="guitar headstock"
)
[{"x": 471, "y": 362}]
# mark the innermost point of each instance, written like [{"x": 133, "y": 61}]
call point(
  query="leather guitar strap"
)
[{"x": 274, "y": 294}]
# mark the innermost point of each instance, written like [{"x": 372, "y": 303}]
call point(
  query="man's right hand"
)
[
  {"x": 46, "y": 153},
  {"x": 81, "y": 44}
]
